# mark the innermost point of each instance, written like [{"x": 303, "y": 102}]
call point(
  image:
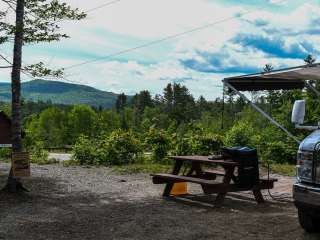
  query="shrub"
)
[
  {"x": 279, "y": 152},
  {"x": 198, "y": 144},
  {"x": 206, "y": 144},
  {"x": 85, "y": 151},
  {"x": 159, "y": 143},
  {"x": 121, "y": 147},
  {"x": 40, "y": 156},
  {"x": 240, "y": 134},
  {"x": 5, "y": 153},
  {"x": 183, "y": 146}
]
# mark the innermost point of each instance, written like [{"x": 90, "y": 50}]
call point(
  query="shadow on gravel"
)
[{"x": 50, "y": 211}]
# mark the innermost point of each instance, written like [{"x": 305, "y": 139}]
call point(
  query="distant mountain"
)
[{"x": 60, "y": 93}]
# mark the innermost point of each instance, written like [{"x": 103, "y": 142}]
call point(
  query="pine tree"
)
[{"x": 309, "y": 60}]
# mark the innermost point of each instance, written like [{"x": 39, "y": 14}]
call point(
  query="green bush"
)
[
  {"x": 183, "y": 146},
  {"x": 40, "y": 156},
  {"x": 5, "y": 153},
  {"x": 206, "y": 144},
  {"x": 196, "y": 144},
  {"x": 279, "y": 152},
  {"x": 158, "y": 142},
  {"x": 85, "y": 151},
  {"x": 121, "y": 147},
  {"x": 241, "y": 134}
]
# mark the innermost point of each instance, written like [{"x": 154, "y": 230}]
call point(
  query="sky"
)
[{"x": 222, "y": 38}]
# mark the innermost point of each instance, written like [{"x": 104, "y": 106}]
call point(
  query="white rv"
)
[{"x": 306, "y": 190}]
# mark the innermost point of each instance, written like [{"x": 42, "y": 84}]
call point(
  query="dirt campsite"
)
[{"x": 97, "y": 203}]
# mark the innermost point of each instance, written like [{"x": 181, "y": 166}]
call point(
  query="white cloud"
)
[{"x": 130, "y": 23}]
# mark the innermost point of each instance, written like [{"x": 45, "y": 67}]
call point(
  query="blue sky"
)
[{"x": 280, "y": 32}]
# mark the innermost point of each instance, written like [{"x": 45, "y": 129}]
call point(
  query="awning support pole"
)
[
  {"x": 312, "y": 88},
  {"x": 261, "y": 111}
]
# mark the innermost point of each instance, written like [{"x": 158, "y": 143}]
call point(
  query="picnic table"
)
[{"x": 208, "y": 179}]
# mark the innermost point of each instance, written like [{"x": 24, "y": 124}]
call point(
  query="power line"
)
[
  {"x": 101, "y": 6},
  {"x": 159, "y": 40},
  {"x": 166, "y": 38},
  {"x": 28, "y": 74},
  {"x": 86, "y": 11}
]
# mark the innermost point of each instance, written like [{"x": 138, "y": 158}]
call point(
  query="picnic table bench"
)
[{"x": 207, "y": 179}]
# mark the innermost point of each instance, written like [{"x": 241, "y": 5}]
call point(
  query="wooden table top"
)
[{"x": 205, "y": 159}]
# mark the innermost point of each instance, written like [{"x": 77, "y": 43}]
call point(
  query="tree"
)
[
  {"x": 121, "y": 102},
  {"x": 82, "y": 121},
  {"x": 36, "y": 21},
  {"x": 309, "y": 60},
  {"x": 268, "y": 68},
  {"x": 142, "y": 100},
  {"x": 178, "y": 102}
]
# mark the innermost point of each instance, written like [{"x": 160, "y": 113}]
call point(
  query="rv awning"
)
[{"x": 285, "y": 79}]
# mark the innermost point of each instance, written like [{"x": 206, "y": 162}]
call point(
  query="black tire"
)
[{"x": 308, "y": 222}]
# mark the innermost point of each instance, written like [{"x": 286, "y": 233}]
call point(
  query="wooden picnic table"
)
[{"x": 207, "y": 179}]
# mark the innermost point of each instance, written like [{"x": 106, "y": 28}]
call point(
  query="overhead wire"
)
[
  {"x": 173, "y": 36},
  {"x": 101, "y": 6},
  {"x": 169, "y": 37}
]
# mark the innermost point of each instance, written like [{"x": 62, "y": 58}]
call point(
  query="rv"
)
[{"x": 306, "y": 190}]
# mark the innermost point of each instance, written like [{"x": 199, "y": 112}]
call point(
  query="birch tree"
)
[{"x": 36, "y": 21}]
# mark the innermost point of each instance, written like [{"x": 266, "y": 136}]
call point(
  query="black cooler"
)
[{"x": 248, "y": 170}]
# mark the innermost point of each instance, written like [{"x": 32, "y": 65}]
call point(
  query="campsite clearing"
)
[{"x": 97, "y": 203}]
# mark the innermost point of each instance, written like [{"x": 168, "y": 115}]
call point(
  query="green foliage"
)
[
  {"x": 120, "y": 147},
  {"x": 198, "y": 144},
  {"x": 164, "y": 129},
  {"x": 85, "y": 151},
  {"x": 5, "y": 154},
  {"x": 284, "y": 169},
  {"x": 240, "y": 135},
  {"x": 206, "y": 144},
  {"x": 121, "y": 102},
  {"x": 82, "y": 120},
  {"x": 159, "y": 143},
  {"x": 60, "y": 93},
  {"x": 279, "y": 152},
  {"x": 178, "y": 103},
  {"x": 40, "y": 156}
]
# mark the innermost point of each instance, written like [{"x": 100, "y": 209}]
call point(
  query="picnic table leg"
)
[
  {"x": 226, "y": 180},
  {"x": 197, "y": 168},
  {"x": 257, "y": 194},
  {"x": 176, "y": 170}
]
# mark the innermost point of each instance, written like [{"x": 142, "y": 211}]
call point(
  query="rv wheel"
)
[{"x": 308, "y": 222}]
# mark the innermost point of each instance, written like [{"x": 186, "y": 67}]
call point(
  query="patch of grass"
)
[
  {"x": 44, "y": 161},
  {"x": 5, "y": 160},
  {"x": 142, "y": 168},
  {"x": 284, "y": 169},
  {"x": 70, "y": 163}
]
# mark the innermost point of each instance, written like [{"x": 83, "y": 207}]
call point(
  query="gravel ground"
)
[{"x": 95, "y": 203}]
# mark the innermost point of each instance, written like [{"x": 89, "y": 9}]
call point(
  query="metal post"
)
[
  {"x": 262, "y": 112},
  {"x": 312, "y": 88}
]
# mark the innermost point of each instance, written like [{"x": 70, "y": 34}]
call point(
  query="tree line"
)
[{"x": 173, "y": 122}]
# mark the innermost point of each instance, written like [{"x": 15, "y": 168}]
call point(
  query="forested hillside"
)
[{"x": 60, "y": 93}]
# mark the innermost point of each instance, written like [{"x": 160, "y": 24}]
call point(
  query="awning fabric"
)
[{"x": 285, "y": 79}]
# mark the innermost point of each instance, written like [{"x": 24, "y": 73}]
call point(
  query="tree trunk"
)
[{"x": 14, "y": 184}]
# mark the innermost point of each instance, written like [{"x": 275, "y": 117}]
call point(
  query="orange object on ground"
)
[{"x": 180, "y": 188}]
